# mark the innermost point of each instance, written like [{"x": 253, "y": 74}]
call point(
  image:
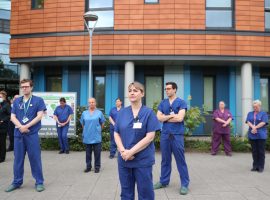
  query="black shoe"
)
[
  {"x": 111, "y": 156},
  {"x": 87, "y": 170},
  {"x": 260, "y": 170},
  {"x": 96, "y": 170},
  {"x": 254, "y": 169},
  {"x": 2, "y": 161},
  {"x": 67, "y": 152},
  {"x": 60, "y": 152}
]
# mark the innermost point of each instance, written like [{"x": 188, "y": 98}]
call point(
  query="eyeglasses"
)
[
  {"x": 167, "y": 89},
  {"x": 24, "y": 87}
]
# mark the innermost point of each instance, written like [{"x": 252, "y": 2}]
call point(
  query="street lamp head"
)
[{"x": 90, "y": 16}]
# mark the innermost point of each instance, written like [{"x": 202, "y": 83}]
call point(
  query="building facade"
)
[
  {"x": 9, "y": 72},
  {"x": 214, "y": 50}
]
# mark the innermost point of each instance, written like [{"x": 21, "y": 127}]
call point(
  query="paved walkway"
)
[{"x": 212, "y": 178}]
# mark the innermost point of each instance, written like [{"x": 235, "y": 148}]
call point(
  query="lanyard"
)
[
  {"x": 254, "y": 116},
  {"x": 25, "y": 107}
]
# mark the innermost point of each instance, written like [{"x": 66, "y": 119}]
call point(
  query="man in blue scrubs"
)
[
  {"x": 26, "y": 114},
  {"x": 62, "y": 115},
  {"x": 171, "y": 112},
  {"x": 113, "y": 117}
]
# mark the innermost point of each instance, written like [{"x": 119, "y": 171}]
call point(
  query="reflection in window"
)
[
  {"x": 5, "y": 4},
  {"x": 37, "y": 4},
  {"x": 219, "y": 14},
  {"x": 153, "y": 90},
  {"x": 99, "y": 91},
  {"x": 267, "y": 14},
  {"x": 208, "y": 91},
  {"x": 54, "y": 84},
  {"x": 151, "y": 1},
  {"x": 105, "y": 12},
  {"x": 264, "y": 94}
]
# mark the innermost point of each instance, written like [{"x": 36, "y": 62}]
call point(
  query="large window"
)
[
  {"x": 208, "y": 91},
  {"x": 219, "y": 13},
  {"x": 37, "y": 4},
  {"x": 264, "y": 93},
  {"x": 267, "y": 14},
  {"x": 153, "y": 90},
  {"x": 4, "y": 26},
  {"x": 104, "y": 10},
  {"x": 99, "y": 91},
  {"x": 54, "y": 83},
  {"x": 151, "y": 1}
]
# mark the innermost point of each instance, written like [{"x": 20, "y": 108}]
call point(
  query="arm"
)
[
  {"x": 128, "y": 154},
  {"x": 111, "y": 121},
  {"x": 226, "y": 123},
  {"x": 220, "y": 120},
  {"x": 178, "y": 117},
  {"x": 250, "y": 125},
  {"x": 118, "y": 142},
  {"x": 68, "y": 120},
  {"x": 163, "y": 118},
  {"x": 56, "y": 119},
  {"x": 7, "y": 111},
  {"x": 260, "y": 125}
]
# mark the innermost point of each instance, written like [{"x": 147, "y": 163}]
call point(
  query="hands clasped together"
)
[{"x": 127, "y": 155}]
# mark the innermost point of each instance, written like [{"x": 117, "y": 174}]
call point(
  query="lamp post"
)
[{"x": 90, "y": 17}]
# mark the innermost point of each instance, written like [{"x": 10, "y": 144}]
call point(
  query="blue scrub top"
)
[
  {"x": 113, "y": 114},
  {"x": 92, "y": 126},
  {"x": 63, "y": 113},
  {"x": 165, "y": 107},
  {"x": 131, "y": 136},
  {"x": 261, "y": 132},
  {"x": 36, "y": 104}
]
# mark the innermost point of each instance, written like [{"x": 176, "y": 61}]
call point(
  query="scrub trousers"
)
[
  {"x": 172, "y": 143},
  {"x": 97, "y": 154},
  {"x": 112, "y": 143},
  {"x": 142, "y": 176},
  {"x": 62, "y": 137},
  {"x": 216, "y": 141},
  {"x": 27, "y": 143},
  {"x": 258, "y": 153}
]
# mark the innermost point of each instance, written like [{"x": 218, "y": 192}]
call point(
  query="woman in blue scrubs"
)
[
  {"x": 257, "y": 121},
  {"x": 92, "y": 121},
  {"x": 134, "y": 134},
  {"x": 113, "y": 117},
  {"x": 62, "y": 115}
]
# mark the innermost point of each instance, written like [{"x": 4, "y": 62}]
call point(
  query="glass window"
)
[
  {"x": 37, "y": 4},
  {"x": 208, "y": 93},
  {"x": 218, "y": 18},
  {"x": 100, "y": 4},
  {"x": 54, "y": 84},
  {"x": 219, "y": 14},
  {"x": 105, "y": 19},
  {"x": 4, "y": 26},
  {"x": 151, "y": 1},
  {"x": 267, "y": 4},
  {"x": 5, "y": 4},
  {"x": 218, "y": 3},
  {"x": 153, "y": 90},
  {"x": 99, "y": 91},
  {"x": 267, "y": 14},
  {"x": 264, "y": 93}
]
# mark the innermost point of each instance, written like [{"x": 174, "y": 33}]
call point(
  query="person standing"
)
[
  {"x": 4, "y": 120},
  {"x": 26, "y": 114},
  {"x": 63, "y": 114},
  {"x": 171, "y": 112},
  {"x": 113, "y": 117},
  {"x": 11, "y": 128},
  {"x": 257, "y": 121},
  {"x": 92, "y": 121},
  {"x": 221, "y": 129},
  {"x": 134, "y": 134}
]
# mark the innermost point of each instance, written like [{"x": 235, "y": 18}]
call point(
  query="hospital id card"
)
[
  {"x": 137, "y": 125},
  {"x": 25, "y": 119}
]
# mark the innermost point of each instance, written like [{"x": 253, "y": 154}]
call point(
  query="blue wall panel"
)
[
  {"x": 257, "y": 85},
  {"x": 222, "y": 87},
  {"x": 187, "y": 90},
  {"x": 84, "y": 86},
  {"x": 65, "y": 78},
  {"x": 232, "y": 96},
  {"x": 39, "y": 79}
]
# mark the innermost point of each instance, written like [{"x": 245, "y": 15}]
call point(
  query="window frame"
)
[
  {"x": 162, "y": 86},
  {"x": 266, "y": 10},
  {"x": 232, "y": 9},
  {"x": 268, "y": 78},
  {"x": 94, "y": 89},
  {"x": 214, "y": 90},
  {"x": 34, "y": 5},
  {"x": 145, "y": 2}
]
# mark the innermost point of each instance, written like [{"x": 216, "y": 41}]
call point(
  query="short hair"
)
[
  {"x": 137, "y": 85},
  {"x": 3, "y": 93},
  {"x": 62, "y": 99},
  {"x": 118, "y": 98},
  {"x": 27, "y": 81},
  {"x": 257, "y": 101},
  {"x": 173, "y": 84}
]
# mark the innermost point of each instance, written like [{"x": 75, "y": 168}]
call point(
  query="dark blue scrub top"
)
[
  {"x": 113, "y": 114},
  {"x": 131, "y": 136},
  {"x": 63, "y": 113},
  {"x": 37, "y": 104},
  {"x": 165, "y": 107},
  {"x": 261, "y": 132}
]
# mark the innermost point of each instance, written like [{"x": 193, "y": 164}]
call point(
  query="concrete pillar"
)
[
  {"x": 129, "y": 78},
  {"x": 25, "y": 72},
  {"x": 247, "y": 92}
]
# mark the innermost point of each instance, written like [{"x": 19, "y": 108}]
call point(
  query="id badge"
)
[
  {"x": 25, "y": 119},
  {"x": 59, "y": 125},
  {"x": 171, "y": 113},
  {"x": 137, "y": 125}
]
